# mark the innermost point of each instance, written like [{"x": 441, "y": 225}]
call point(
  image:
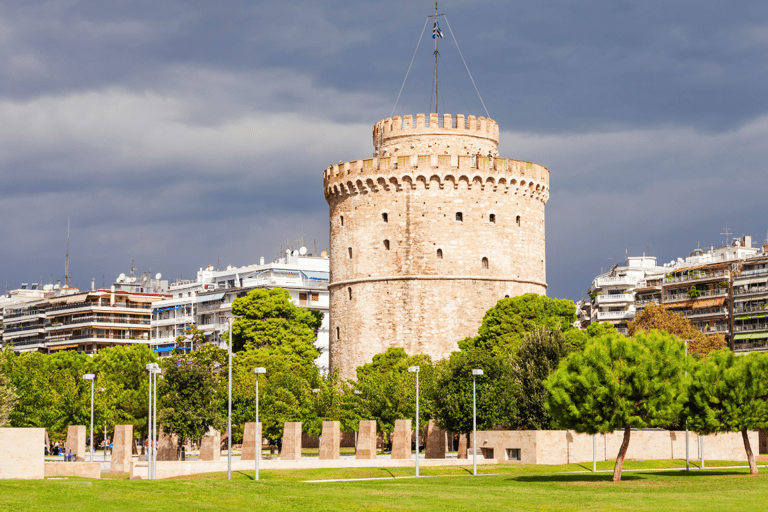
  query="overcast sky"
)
[{"x": 186, "y": 133}]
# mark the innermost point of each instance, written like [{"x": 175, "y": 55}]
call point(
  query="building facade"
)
[{"x": 428, "y": 235}]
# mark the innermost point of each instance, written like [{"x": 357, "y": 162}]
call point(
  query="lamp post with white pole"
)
[
  {"x": 149, "y": 367},
  {"x": 416, "y": 369},
  {"x": 475, "y": 373},
  {"x": 90, "y": 377},
  {"x": 258, "y": 371},
  {"x": 229, "y": 403}
]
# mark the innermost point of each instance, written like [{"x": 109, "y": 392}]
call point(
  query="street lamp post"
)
[
  {"x": 357, "y": 393},
  {"x": 416, "y": 369},
  {"x": 149, "y": 368},
  {"x": 153, "y": 369},
  {"x": 258, "y": 371},
  {"x": 90, "y": 377},
  {"x": 475, "y": 373}
]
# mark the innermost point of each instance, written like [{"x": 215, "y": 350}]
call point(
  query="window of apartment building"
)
[
  {"x": 492, "y": 218},
  {"x": 439, "y": 254},
  {"x": 386, "y": 245},
  {"x": 459, "y": 216},
  {"x": 385, "y": 217},
  {"x": 315, "y": 297},
  {"x": 302, "y": 299},
  {"x": 485, "y": 263}
]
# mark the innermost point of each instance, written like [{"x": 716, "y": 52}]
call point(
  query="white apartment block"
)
[{"x": 206, "y": 302}]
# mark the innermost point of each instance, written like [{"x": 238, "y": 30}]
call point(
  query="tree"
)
[
  {"x": 538, "y": 356},
  {"x": 497, "y": 391},
  {"x": 657, "y": 317},
  {"x": 188, "y": 398},
  {"x": 505, "y": 324},
  {"x": 388, "y": 391},
  {"x": 8, "y": 399},
  {"x": 729, "y": 393},
  {"x": 269, "y": 320},
  {"x": 193, "y": 335},
  {"x": 618, "y": 382}
]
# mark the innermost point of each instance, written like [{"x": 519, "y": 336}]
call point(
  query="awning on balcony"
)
[
  {"x": 751, "y": 336},
  {"x": 696, "y": 303},
  {"x": 168, "y": 348},
  {"x": 320, "y": 276},
  {"x": 208, "y": 298}
]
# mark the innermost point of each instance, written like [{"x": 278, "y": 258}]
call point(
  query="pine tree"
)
[
  {"x": 619, "y": 383},
  {"x": 729, "y": 394}
]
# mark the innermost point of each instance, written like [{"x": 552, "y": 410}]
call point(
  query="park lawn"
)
[{"x": 516, "y": 487}]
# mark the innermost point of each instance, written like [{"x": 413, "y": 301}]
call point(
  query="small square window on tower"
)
[
  {"x": 492, "y": 218},
  {"x": 385, "y": 217},
  {"x": 459, "y": 217}
]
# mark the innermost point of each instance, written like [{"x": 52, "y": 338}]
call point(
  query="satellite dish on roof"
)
[
  {"x": 303, "y": 251},
  {"x": 121, "y": 278},
  {"x": 158, "y": 276},
  {"x": 48, "y": 287}
]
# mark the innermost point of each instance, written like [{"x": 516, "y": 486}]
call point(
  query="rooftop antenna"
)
[
  {"x": 132, "y": 267},
  {"x": 66, "y": 260},
  {"x": 436, "y": 34},
  {"x": 727, "y": 234}
]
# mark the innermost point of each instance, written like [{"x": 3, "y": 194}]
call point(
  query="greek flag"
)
[{"x": 436, "y": 32}]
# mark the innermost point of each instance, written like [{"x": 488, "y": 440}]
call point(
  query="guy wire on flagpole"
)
[
  {"x": 465, "y": 65},
  {"x": 409, "y": 67}
]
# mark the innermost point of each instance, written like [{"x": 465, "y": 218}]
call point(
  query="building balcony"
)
[
  {"x": 187, "y": 319},
  {"x": 92, "y": 305},
  {"x": 627, "y": 281},
  {"x": 38, "y": 313},
  {"x": 750, "y": 291},
  {"x": 97, "y": 337},
  {"x": 22, "y": 328},
  {"x": 693, "y": 313},
  {"x": 697, "y": 276},
  {"x": 717, "y": 292},
  {"x": 98, "y": 322},
  {"x": 615, "y": 315},
  {"x": 751, "y": 327},
  {"x": 614, "y": 298},
  {"x": 753, "y": 272}
]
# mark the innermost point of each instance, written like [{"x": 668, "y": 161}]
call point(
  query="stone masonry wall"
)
[{"x": 422, "y": 245}]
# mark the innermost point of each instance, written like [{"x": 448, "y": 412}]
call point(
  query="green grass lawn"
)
[{"x": 502, "y": 487}]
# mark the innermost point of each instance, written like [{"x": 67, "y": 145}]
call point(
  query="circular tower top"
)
[{"x": 447, "y": 136}]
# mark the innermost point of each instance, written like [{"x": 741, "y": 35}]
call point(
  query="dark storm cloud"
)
[{"x": 185, "y": 133}]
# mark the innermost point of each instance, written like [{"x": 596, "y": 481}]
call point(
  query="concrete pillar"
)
[
  {"x": 435, "y": 445},
  {"x": 122, "y": 449},
  {"x": 210, "y": 447},
  {"x": 291, "y": 441},
  {"x": 401, "y": 440},
  {"x": 76, "y": 442},
  {"x": 21, "y": 453},
  {"x": 331, "y": 440},
  {"x": 251, "y": 441},
  {"x": 366, "y": 440}
]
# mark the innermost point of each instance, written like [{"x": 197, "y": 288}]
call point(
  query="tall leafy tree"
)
[
  {"x": 538, "y": 356},
  {"x": 729, "y": 394},
  {"x": 506, "y": 324},
  {"x": 620, "y": 383},
  {"x": 657, "y": 317},
  {"x": 387, "y": 392},
  {"x": 269, "y": 320},
  {"x": 497, "y": 391},
  {"x": 8, "y": 399}
]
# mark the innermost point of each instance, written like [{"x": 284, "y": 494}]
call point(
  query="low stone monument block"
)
[
  {"x": 210, "y": 447},
  {"x": 251, "y": 440},
  {"x": 168, "y": 446},
  {"x": 366, "y": 440},
  {"x": 462, "y": 447},
  {"x": 22, "y": 453},
  {"x": 79, "y": 469},
  {"x": 76, "y": 442},
  {"x": 330, "y": 440},
  {"x": 435, "y": 445},
  {"x": 401, "y": 439},
  {"x": 122, "y": 449},
  {"x": 291, "y": 441}
]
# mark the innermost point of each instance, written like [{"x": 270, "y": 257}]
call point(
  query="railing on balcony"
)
[
  {"x": 750, "y": 308},
  {"x": 616, "y": 297},
  {"x": 756, "y": 326},
  {"x": 615, "y": 281},
  {"x": 189, "y": 319},
  {"x": 59, "y": 339},
  {"x": 615, "y": 315},
  {"x": 16, "y": 314},
  {"x": 751, "y": 346},
  {"x": 696, "y": 276},
  {"x": 22, "y": 328},
  {"x": 754, "y": 272},
  {"x": 646, "y": 301},
  {"x": 719, "y": 310},
  {"x": 77, "y": 305},
  {"x": 717, "y": 292},
  {"x": 713, "y": 329},
  {"x": 87, "y": 320},
  {"x": 754, "y": 289}
]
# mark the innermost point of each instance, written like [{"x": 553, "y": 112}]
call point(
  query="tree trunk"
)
[
  {"x": 622, "y": 453},
  {"x": 750, "y": 455}
]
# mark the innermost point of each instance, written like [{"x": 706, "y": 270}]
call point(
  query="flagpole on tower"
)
[{"x": 436, "y": 34}]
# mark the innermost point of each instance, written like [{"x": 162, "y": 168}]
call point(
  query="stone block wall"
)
[
  {"x": 210, "y": 446},
  {"x": 122, "y": 449},
  {"x": 76, "y": 442},
  {"x": 366, "y": 440},
  {"x": 252, "y": 441},
  {"x": 330, "y": 441},
  {"x": 291, "y": 441},
  {"x": 22, "y": 452}
]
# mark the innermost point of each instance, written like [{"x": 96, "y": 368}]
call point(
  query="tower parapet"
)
[{"x": 436, "y": 135}]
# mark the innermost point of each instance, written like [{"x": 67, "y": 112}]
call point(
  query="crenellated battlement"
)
[
  {"x": 436, "y": 134},
  {"x": 436, "y": 171}
]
